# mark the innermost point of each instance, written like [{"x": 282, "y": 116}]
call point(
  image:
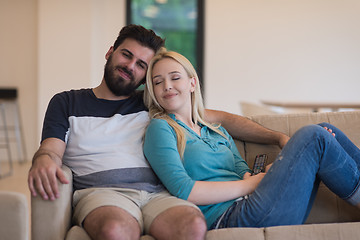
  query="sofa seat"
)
[{"x": 330, "y": 231}]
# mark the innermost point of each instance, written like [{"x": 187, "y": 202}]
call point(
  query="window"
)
[{"x": 180, "y": 22}]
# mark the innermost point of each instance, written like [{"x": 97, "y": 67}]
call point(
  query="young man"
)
[{"x": 98, "y": 134}]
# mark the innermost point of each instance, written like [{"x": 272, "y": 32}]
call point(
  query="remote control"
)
[{"x": 259, "y": 164}]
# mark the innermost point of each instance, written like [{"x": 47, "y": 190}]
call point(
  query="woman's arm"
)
[
  {"x": 205, "y": 193},
  {"x": 161, "y": 151},
  {"x": 244, "y": 129}
]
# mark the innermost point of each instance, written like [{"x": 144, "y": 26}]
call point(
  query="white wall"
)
[
  {"x": 18, "y": 65},
  {"x": 297, "y": 50},
  {"x": 74, "y": 37}
]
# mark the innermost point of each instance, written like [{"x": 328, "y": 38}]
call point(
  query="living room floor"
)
[{"x": 17, "y": 181}]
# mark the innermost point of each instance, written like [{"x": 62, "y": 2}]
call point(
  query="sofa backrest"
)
[
  {"x": 348, "y": 122},
  {"x": 327, "y": 207}
]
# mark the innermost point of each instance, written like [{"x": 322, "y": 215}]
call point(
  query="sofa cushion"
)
[
  {"x": 236, "y": 234},
  {"x": 334, "y": 231},
  {"x": 77, "y": 233}
]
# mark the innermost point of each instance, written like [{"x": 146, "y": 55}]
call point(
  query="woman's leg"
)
[
  {"x": 345, "y": 142},
  {"x": 287, "y": 190}
]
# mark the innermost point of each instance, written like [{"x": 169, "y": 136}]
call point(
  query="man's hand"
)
[
  {"x": 43, "y": 177},
  {"x": 283, "y": 139},
  {"x": 46, "y": 170}
]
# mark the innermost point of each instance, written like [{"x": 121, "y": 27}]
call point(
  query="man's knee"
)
[
  {"x": 196, "y": 224},
  {"x": 119, "y": 230},
  {"x": 181, "y": 222},
  {"x": 190, "y": 223},
  {"x": 111, "y": 223}
]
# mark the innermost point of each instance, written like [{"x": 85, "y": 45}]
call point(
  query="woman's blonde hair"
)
[{"x": 197, "y": 106}]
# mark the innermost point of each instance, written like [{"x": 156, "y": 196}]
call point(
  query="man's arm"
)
[
  {"x": 46, "y": 169},
  {"x": 244, "y": 129}
]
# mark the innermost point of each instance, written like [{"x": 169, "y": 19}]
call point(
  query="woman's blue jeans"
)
[{"x": 286, "y": 193}]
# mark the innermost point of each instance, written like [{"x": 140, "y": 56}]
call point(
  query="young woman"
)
[{"x": 199, "y": 162}]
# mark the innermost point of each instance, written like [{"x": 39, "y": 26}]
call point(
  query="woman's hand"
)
[
  {"x": 246, "y": 175},
  {"x": 268, "y": 167},
  {"x": 253, "y": 181},
  {"x": 205, "y": 193},
  {"x": 330, "y": 131}
]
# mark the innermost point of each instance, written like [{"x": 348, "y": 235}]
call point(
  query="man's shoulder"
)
[
  {"x": 75, "y": 92},
  {"x": 72, "y": 94}
]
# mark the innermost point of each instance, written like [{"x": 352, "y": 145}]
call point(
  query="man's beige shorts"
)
[{"x": 144, "y": 206}]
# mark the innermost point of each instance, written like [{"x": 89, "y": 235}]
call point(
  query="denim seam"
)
[{"x": 354, "y": 197}]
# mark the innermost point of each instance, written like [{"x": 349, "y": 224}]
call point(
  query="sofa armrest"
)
[
  {"x": 14, "y": 222},
  {"x": 52, "y": 219}
]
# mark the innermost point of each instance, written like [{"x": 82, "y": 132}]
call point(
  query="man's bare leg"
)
[
  {"x": 180, "y": 223},
  {"x": 111, "y": 223}
]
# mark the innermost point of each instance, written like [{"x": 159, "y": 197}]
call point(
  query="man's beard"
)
[{"x": 116, "y": 83}]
